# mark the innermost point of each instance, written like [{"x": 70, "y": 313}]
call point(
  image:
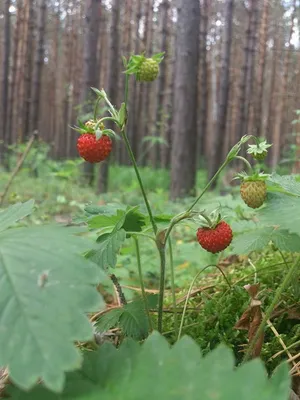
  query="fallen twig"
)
[{"x": 18, "y": 167}]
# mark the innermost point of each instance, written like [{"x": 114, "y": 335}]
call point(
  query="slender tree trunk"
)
[
  {"x": 275, "y": 149},
  {"x": 263, "y": 35},
  {"x": 135, "y": 106},
  {"x": 220, "y": 129},
  {"x": 90, "y": 73},
  {"x": 247, "y": 74},
  {"x": 113, "y": 79},
  {"x": 168, "y": 100},
  {"x": 39, "y": 62},
  {"x": 4, "y": 88},
  {"x": 162, "y": 80},
  {"x": 203, "y": 95},
  {"x": 268, "y": 128},
  {"x": 28, "y": 70},
  {"x": 183, "y": 171},
  {"x": 144, "y": 88}
]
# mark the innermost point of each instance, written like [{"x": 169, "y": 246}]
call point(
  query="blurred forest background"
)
[{"x": 231, "y": 67}]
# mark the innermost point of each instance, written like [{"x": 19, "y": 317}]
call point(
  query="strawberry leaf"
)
[
  {"x": 131, "y": 318},
  {"x": 15, "y": 213},
  {"x": 282, "y": 211},
  {"x": 44, "y": 279},
  {"x": 108, "y": 246},
  {"x": 153, "y": 370},
  {"x": 286, "y": 182}
]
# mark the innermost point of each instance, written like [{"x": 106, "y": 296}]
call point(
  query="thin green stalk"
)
[
  {"x": 190, "y": 290},
  {"x": 173, "y": 286},
  {"x": 138, "y": 257},
  {"x": 96, "y": 107},
  {"x": 209, "y": 184},
  {"x": 246, "y": 162},
  {"x": 160, "y": 247},
  {"x": 162, "y": 254},
  {"x": 131, "y": 155},
  {"x": 270, "y": 309}
]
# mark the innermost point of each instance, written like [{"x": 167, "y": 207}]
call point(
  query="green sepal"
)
[
  {"x": 97, "y": 91},
  {"x": 98, "y": 134},
  {"x": 257, "y": 176},
  {"x": 237, "y": 147},
  {"x": 258, "y": 148},
  {"x": 122, "y": 115}
]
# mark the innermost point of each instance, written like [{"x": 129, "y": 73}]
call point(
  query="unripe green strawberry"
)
[
  {"x": 215, "y": 239},
  {"x": 259, "y": 151},
  {"x": 259, "y": 156},
  {"x": 254, "y": 192},
  {"x": 93, "y": 150},
  {"x": 148, "y": 70}
]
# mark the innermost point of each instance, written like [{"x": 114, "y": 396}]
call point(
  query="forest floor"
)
[{"x": 214, "y": 309}]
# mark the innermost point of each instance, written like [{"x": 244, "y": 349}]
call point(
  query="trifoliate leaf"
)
[
  {"x": 259, "y": 239},
  {"x": 134, "y": 220},
  {"x": 108, "y": 320},
  {"x": 104, "y": 221},
  {"x": 131, "y": 318},
  {"x": 108, "y": 246},
  {"x": 15, "y": 213},
  {"x": 286, "y": 182},
  {"x": 131, "y": 220},
  {"x": 46, "y": 288},
  {"x": 282, "y": 211},
  {"x": 156, "y": 371},
  {"x": 252, "y": 240}
]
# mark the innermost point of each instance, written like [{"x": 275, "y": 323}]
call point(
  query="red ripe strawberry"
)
[
  {"x": 93, "y": 150},
  {"x": 215, "y": 239}
]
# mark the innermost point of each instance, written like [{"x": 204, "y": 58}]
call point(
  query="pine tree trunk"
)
[
  {"x": 247, "y": 73},
  {"x": 113, "y": 79},
  {"x": 12, "y": 90},
  {"x": 203, "y": 95},
  {"x": 263, "y": 35},
  {"x": 38, "y": 65},
  {"x": 162, "y": 80},
  {"x": 183, "y": 171},
  {"x": 28, "y": 68},
  {"x": 220, "y": 129},
  {"x": 134, "y": 102},
  {"x": 90, "y": 73},
  {"x": 276, "y": 148},
  {"x": 5, "y": 83}
]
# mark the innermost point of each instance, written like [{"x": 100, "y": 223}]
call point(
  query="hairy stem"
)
[
  {"x": 162, "y": 254},
  {"x": 246, "y": 162},
  {"x": 132, "y": 158},
  {"x": 173, "y": 286},
  {"x": 138, "y": 257},
  {"x": 119, "y": 290},
  {"x": 278, "y": 293},
  {"x": 96, "y": 107}
]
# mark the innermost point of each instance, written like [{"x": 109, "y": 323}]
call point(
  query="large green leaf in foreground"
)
[
  {"x": 156, "y": 371},
  {"x": 46, "y": 289}
]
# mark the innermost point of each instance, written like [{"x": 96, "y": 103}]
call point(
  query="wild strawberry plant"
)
[{"x": 44, "y": 307}]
